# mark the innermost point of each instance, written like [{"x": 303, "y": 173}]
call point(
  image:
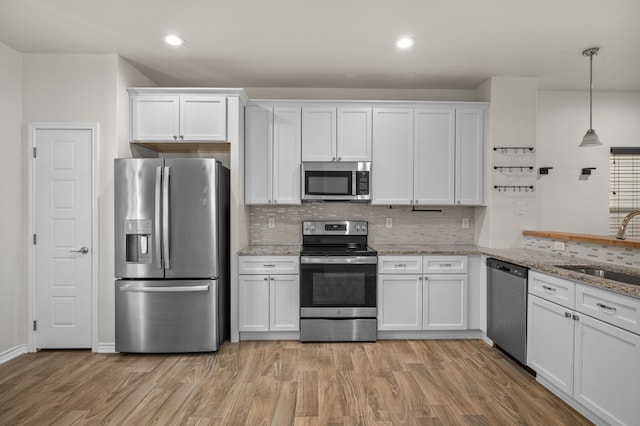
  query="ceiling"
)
[{"x": 343, "y": 43}]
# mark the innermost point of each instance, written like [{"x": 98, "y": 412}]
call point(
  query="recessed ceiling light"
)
[
  {"x": 173, "y": 40},
  {"x": 405, "y": 42}
]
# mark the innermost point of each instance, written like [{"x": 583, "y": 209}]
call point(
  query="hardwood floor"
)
[{"x": 439, "y": 382}]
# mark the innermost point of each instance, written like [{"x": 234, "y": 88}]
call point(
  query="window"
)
[{"x": 624, "y": 188}]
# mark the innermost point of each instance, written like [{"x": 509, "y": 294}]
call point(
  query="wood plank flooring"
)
[{"x": 391, "y": 382}]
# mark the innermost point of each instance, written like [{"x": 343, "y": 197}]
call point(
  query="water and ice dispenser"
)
[{"x": 138, "y": 241}]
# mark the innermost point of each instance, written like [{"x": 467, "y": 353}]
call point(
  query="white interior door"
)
[{"x": 62, "y": 226}]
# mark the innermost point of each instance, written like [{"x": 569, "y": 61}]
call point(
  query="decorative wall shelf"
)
[
  {"x": 521, "y": 169},
  {"x": 515, "y": 149},
  {"x": 514, "y": 188}
]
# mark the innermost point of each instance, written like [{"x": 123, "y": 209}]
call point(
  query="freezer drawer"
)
[{"x": 167, "y": 316}]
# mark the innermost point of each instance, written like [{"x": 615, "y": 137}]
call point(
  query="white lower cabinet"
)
[
  {"x": 444, "y": 302},
  {"x": 269, "y": 302},
  {"x": 400, "y": 302},
  {"x": 592, "y": 362},
  {"x": 418, "y": 301}
]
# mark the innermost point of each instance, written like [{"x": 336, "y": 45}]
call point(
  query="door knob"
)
[{"x": 83, "y": 250}]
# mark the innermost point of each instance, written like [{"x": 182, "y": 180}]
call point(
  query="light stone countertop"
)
[
  {"x": 293, "y": 250},
  {"x": 532, "y": 259}
]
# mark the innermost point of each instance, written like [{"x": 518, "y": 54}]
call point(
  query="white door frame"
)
[{"x": 94, "y": 253}]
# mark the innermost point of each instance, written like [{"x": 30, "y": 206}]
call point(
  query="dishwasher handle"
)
[{"x": 508, "y": 268}]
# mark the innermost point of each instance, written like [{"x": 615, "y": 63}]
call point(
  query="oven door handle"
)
[{"x": 339, "y": 260}]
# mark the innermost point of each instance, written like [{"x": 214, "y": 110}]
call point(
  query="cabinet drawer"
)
[
  {"x": 552, "y": 288},
  {"x": 400, "y": 265},
  {"x": 269, "y": 265},
  {"x": 616, "y": 309},
  {"x": 444, "y": 264}
]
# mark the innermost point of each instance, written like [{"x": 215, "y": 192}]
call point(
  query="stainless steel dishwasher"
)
[{"x": 507, "y": 307}]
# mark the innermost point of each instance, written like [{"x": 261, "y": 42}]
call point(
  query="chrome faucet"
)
[{"x": 622, "y": 230}]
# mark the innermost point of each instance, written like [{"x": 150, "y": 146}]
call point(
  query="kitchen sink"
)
[{"x": 602, "y": 273}]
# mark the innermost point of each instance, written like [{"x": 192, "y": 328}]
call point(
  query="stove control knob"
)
[
  {"x": 312, "y": 227},
  {"x": 357, "y": 227}
]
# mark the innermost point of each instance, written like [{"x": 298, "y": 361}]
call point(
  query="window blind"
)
[{"x": 624, "y": 188}]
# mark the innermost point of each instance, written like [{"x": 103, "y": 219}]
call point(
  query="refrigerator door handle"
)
[
  {"x": 184, "y": 289},
  {"x": 158, "y": 219},
  {"x": 165, "y": 218}
]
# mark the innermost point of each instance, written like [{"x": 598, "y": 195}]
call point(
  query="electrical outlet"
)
[
  {"x": 559, "y": 245},
  {"x": 465, "y": 223},
  {"x": 388, "y": 222},
  {"x": 519, "y": 208},
  {"x": 271, "y": 222}
]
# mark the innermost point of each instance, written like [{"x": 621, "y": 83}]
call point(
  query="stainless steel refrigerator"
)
[{"x": 171, "y": 254}]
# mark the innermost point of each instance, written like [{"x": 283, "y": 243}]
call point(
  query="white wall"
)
[
  {"x": 87, "y": 88},
  {"x": 13, "y": 286},
  {"x": 566, "y": 201},
  {"x": 512, "y": 123}
]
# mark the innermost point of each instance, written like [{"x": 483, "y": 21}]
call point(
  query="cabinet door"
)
[
  {"x": 286, "y": 155},
  {"x": 550, "y": 340},
  {"x": 203, "y": 118},
  {"x": 253, "y": 296},
  {"x": 284, "y": 303},
  {"x": 319, "y": 134},
  {"x": 399, "y": 302},
  {"x": 354, "y": 134},
  {"x": 607, "y": 371},
  {"x": 258, "y": 155},
  {"x": 392, "y": 168},
  {"x": 469, "y": 157},
  {"x": 155, "y": 118},
  {"x": 434, "y": 158},
  {"x": 444, "y": 302}
]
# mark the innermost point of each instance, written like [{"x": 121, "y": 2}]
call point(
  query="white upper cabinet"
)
[
  {"x": 434, "y": 156},
  {"x": 392, "y": 165},
  {"x": 336, "y": 134},
  {"x": 428, "y": 156},
  {"x": 203, "y": 118},
  {"x": 272, "y": 155},
  {"x": 176, "y": 118},
  {"x": 286, "y": 155},
  {"x": 258, "y": 157},
  {"x": 469, "y": 156}
]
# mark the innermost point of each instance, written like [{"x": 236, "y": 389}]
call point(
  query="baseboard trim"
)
[
  {"x": 12, "y": 353},
  {"x": 105, "y": 348}
]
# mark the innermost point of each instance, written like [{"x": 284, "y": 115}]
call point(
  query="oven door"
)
[{"x": 338, "y": 286}]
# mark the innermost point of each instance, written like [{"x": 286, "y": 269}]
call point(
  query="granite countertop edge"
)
[{"x": 532, "y": 259}]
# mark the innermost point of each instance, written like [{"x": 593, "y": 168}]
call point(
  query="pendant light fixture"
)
[{"x": 591, "y": 138}]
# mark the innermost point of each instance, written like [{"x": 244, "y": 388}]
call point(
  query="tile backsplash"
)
[
  {"x": 622, "y": 256},
  {"x": 439, "y": 226}
]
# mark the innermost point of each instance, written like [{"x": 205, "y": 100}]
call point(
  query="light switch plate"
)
[
  {"x": 271, "y": 222},
  {"x": 388, "y": 222},
  {"x": 519, "y": 208},
  {"x": 465, "y": 223}
]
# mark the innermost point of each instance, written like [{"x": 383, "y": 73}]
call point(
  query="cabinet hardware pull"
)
[
  {"x": 272, "y": 278},
  {"x": 269, "y": 265},
  {"x": 400, "y": 265},
  {"x": 445, "y": 265},
  {"x": 567, "y": 314},
  {"x": 575, "y": 317},
  {"x": 181, "y": 137},
  {"x": 175, "y": 138},
  {"x": 266, "y": 278},
  {"x": 608, "y": 308},
  {"x": 549, "y": 289},
  {"x": 419, "y": 278}
]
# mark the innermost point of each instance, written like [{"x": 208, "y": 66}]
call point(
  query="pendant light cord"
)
[{"x": 591, "y": 90}]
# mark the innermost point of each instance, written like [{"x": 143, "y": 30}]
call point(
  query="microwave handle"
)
[{"x": 354, "y": 182}]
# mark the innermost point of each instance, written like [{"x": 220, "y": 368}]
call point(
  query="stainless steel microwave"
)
[{"x": 336, "y": 180}]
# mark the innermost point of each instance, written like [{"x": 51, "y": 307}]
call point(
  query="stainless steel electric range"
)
[{"x": 337, "y": 282}]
